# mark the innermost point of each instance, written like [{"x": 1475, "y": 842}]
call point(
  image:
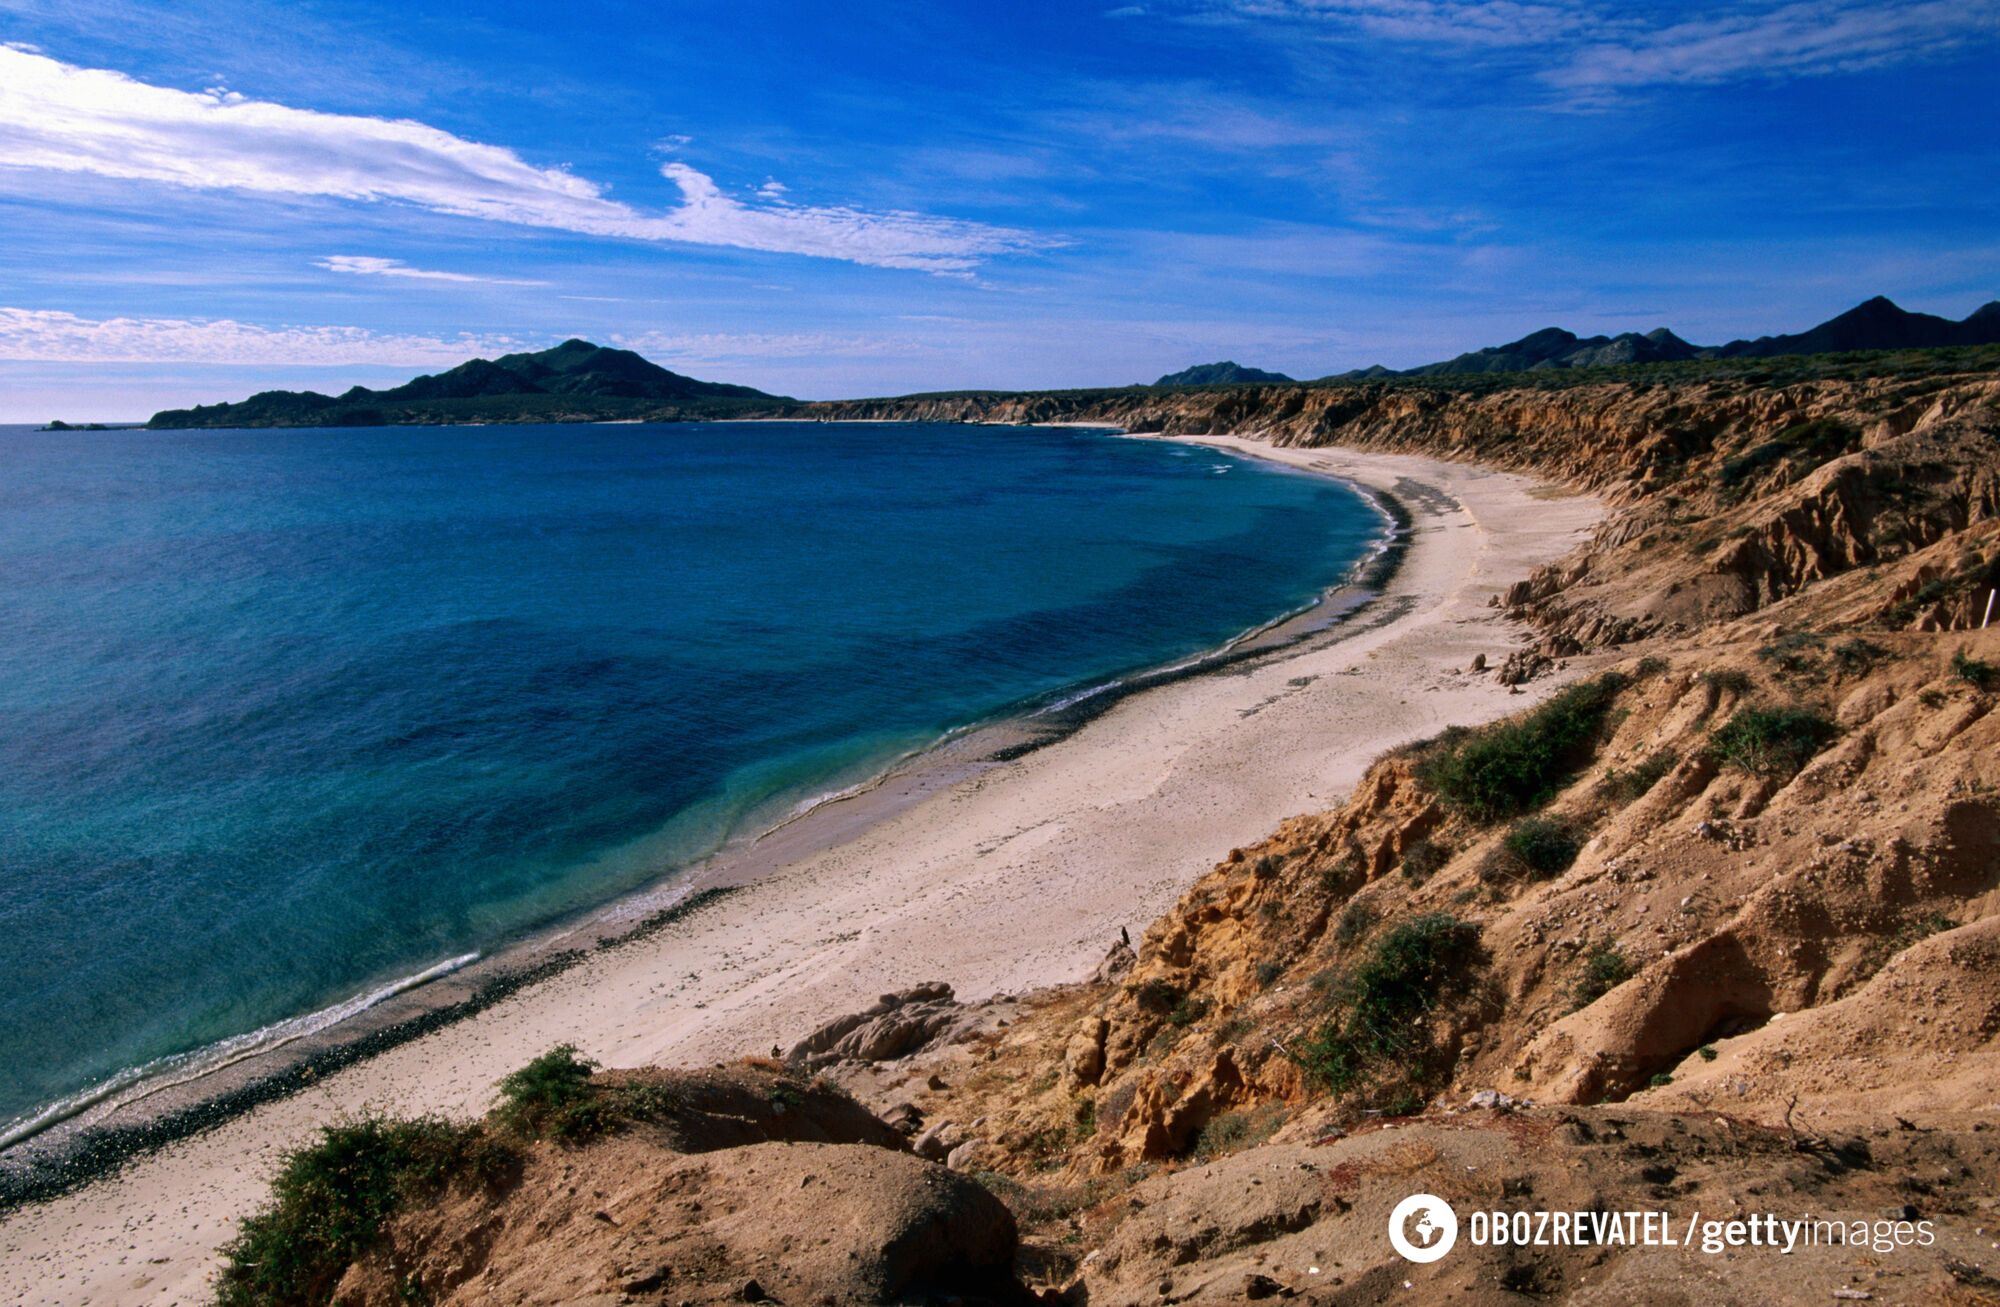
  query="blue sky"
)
[{"x": 203, "y": 198}]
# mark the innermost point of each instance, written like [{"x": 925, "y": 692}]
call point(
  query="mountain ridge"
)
[{"x": 1876, "y": 323}]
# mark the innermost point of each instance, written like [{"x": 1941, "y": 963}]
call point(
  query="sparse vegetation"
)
[
  {"x": 551, "y": 1098},
  {"x": 1727, "y": 680},
  {"x": 1921, "y": 928},
  {"x": 1423, "y": 859},
  {"x": 1971, "y": 670},
  {"x": 1706, "y": 1052},
  {"x": 1542, "y": 846},
  {"x": 1793, "y": 653},
  {"x": 1232, "y": 1132},
  {"x": 1604, "y": 969},
  {"x": 1772, "y": 741},
  {"x": 1516, "y": 766},
  {"x": 1188, "y": 1011},
  {"x": 1638, "y": 781},
  {"x": 1383, "y": 1003},
  {"x": 1856, "y": 655},
  {"x": 332, "y": 1198},
  {"x": 1356, "y": 920}
]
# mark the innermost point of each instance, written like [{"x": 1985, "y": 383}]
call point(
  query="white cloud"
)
[
  {"x": 82, "y": 120},
  {"x": 368, "y": 265},
  {"x": 1794, "y": 40},
  {"x": 47, "y": 336}
]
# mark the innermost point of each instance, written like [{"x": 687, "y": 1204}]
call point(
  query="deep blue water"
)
[{"x": 289, "y": 714}]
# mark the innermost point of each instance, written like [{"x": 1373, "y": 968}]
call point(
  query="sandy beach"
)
[{"x": 1014, "y": 879}]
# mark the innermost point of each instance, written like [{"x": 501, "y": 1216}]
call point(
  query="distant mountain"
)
[
  {"x": 575, "y": 381},
  {"x": 1876, "y": 324},
  {"x": 1218, "y": 374}
]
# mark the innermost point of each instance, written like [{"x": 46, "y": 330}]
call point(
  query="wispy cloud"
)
[
  {"x": 368, "y": 265},
  {"x": 1815, "y": 38},
  {"x": 83, "y": 120},
  {"x": 1596, "y": 48},
  {"x": 47, "y": 336}
]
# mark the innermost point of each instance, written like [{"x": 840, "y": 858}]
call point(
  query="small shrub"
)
[
  {"x": 1356, "y": 920},
  {"x": 1157, "y": 995},
  {"x": 1604, "y": 969},
  {"x": 551, "y": 1097},
  {"x": 1793, "y": 653},
  {"x": 1973, "y": 671},
  {"x": 1857, "y": 655},
  {"x": 1188, "y": 1011},
  {"x": 1382, "y": 1001},
  {"x": 331, "y": 1199},
  {"x": 1922, "y": 928},
  {"x": 1772, "y": 741},
  {"x": 1639, "y": 781},
  {"x": 1423, "y": 859},
  {"x": 1728, "y": 680},
  {"x": 1707, "y": 1052},
  {"x": 1660, "y": 1080},
  {"x": 1649, "y": 667},
  {"x": 1232, "y": 1132},
  {"x": 1545, "y": 847},
  {"x": 1515, "y": 766},
  {"x": 646, "y": 1102},
  {"x": 1268, "y": 972},
  {"x": 1931, "y": 698}
]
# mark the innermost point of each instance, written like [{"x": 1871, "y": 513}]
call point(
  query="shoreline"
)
[
  {"x": 89, "y": 1135},
  {"x": 1101, "y": 826}
]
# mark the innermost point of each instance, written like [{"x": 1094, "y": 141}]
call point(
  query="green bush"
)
[
  {"x": 1515, "y": 766},
  {"x": 1604, "y": 969},
  {"x": 1973, "y": 671},
  {"x": 1544, "y": 846},
  {"x": 551, "y": 1097},
  {"x": 1772, "y": 741},
  {"x": 1382, "y": 1001},
  {"x": 332, "y": 1198}
]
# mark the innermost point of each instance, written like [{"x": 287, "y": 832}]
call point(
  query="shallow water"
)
[{"x": 291, "y": 714}]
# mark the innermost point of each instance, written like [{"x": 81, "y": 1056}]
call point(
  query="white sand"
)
[{"x": 1015, "y": 879}]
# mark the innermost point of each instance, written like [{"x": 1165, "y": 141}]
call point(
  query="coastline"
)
[
  {"x": 81, "y": 1139},
  {"x": 1100, "y": 827}
]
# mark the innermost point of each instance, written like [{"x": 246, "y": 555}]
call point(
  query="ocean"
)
[{"x": 291, "y": 716}]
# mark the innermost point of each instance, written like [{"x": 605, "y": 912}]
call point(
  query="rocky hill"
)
[
  {"x": 1714, "y": 928},
  {"x": 575, "y": 381},
  {"x": 1225, "y": 373}
]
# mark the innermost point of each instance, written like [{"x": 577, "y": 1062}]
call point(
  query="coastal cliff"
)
[{"x": 1714, "y": 925}]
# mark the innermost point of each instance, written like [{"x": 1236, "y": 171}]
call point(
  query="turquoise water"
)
[{"x": 290, "y": 714}]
